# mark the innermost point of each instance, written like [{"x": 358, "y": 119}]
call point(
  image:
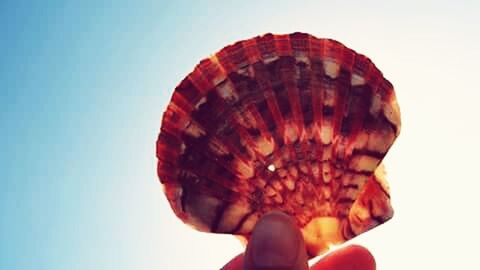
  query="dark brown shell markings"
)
[{"x": 280, "y": 122}]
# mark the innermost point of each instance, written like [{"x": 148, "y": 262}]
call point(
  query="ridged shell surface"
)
[{"x": 280, "y": 122}]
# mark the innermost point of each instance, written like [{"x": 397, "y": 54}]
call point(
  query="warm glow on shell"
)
[{"x": 280, "y": 122}]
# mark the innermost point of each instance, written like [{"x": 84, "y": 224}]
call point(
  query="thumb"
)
[{"x": 276, "y": 244}]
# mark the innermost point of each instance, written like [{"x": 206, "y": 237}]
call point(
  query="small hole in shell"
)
[{"x": 271, "y": 167}]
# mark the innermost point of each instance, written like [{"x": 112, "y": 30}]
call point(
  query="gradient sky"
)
[{"x": 83, "y": 85}]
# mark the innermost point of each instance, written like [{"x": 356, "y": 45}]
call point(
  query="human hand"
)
[{"x": 277, "y": 244}]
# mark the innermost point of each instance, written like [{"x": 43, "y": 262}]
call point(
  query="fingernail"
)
[{"x": 275, "y": 242}]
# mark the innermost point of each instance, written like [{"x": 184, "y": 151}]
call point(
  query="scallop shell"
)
[{"x": 280, "y": 122}]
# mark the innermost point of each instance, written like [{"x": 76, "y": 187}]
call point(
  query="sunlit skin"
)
[{"x": 277, "y": 244}]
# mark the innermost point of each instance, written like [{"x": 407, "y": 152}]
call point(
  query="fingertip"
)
[
  {"x": 276, "y": 243},
  {"x": 362, "y": 253},
  {"x": 362, "y": 256},
  {"x": 352, "y": 257}
]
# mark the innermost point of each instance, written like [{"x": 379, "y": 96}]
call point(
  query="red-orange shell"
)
[{"x": 280, "y": 122}]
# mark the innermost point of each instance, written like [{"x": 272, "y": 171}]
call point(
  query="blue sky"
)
[{"x": 83, "y": 85}]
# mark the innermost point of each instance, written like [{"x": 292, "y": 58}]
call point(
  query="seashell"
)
[{"x": 280, "y": 122}]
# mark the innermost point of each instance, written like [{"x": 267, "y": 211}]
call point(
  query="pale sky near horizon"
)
[{"x": 84, "y": 84}]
